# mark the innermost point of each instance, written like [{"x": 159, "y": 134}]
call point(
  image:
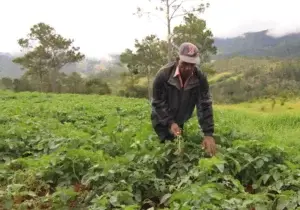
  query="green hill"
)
[
  {"x": 259, "y": 44},
  {"x": 242, "y": 79}
]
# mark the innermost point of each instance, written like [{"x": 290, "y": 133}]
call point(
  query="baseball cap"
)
[{"x": 189, "y": 53}]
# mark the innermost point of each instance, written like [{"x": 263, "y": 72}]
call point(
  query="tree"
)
[
  {"x": 172, "y": 9},
  {"x": 74, "y": 83},
  {"x": 194, "y": 30},
  {"x": 129, "y": 59},
  {"x": 150, "y": 56},
  {"x": 46, "y": 52},
  {"x": 7, "y": 82},
  {"x": 97, "y": 86}
]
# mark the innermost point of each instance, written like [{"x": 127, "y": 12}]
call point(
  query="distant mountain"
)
[
  {"x": 257, "y": 44},
  {"x": 7, "y": 67}
]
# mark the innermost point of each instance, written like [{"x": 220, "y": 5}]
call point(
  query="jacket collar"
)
[{"x": 174, "y": 80}]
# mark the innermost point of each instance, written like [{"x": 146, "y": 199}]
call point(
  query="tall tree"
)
[
  {"x": 194, "y": 30},
  {"x": 150, "y": 56},
  {"x": 172, "y": 9},
  {"x": 46, "y": 52}
]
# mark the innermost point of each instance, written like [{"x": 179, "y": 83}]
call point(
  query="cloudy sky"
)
[{"x": 100, "y": 27}]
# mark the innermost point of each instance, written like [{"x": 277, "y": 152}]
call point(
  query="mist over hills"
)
[
  {"x": 251, "y": 44},
  {"x": 86, "y": 67},
  {"x": 259, "y": 44}
]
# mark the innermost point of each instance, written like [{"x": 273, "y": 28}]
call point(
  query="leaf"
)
[
  {"x": 276, "y": 175},
  {"x": 265, "y": 178},
  {"x": 278, "y": 185},
  {"x": 165, "y": 198},
  {"x": 282, "y": 203},
  {"x": 32, "y": 194},
  {"x": 220, "y": 166},
  {"x": 138, "y": 195},
  {"x": 114, "y": 200},
  {"x": 8, "y": 203},
  {"x": 259, "y": 163}
]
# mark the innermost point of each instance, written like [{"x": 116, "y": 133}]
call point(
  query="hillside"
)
[
  {"x": 242, "y": 79},
  {"x": 68, "y": 151},
  {"x": 258, "y": 44}
]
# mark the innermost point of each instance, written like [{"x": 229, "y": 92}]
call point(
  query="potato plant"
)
[{"x": 99, "y": 152}]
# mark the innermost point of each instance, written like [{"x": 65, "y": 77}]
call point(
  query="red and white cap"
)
[{"x": 189, "y": 53}]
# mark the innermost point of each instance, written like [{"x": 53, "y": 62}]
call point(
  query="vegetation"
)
[
  {"x": 79, "y": 151},
  {"x": 267, "y": 78},
  {"x": 52, "y": 64},
  {"x": 172, "y": 10},
  {"x": 152, "y": 53},
  {"x": 46, "y": 53},
  {"x": 91, "y": 152}
]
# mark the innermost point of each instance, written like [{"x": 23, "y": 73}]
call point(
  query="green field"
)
[{"x": 99, "y": 152}]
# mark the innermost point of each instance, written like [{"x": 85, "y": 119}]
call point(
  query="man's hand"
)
[
  {"x": 209, "y": 145},
  {"x": 175, "y": 129}
]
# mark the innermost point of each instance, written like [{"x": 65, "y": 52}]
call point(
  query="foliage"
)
[
  {"x": 260, "y": 79},
  {"x": 96, "y": 85},
  {"x": 131, "y": 88},
  {"x": 54, "y": 65},
  {"x": 150, "y": 56},
  {"x": 151, "y": 52},
  {"x": 46, "y": 52},
  {"x": 7, "y": 83},
  {"x": 65, "y": 151},
  {"x": 194, "y": 30},
  {"x": 72, "y": 83},
  {"x": 172, "y": 9}
]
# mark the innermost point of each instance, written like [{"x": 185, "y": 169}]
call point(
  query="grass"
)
[
  {"x": 280, "y": 124},
  {"x": 218, "y": 76},
  {"x": 280, "y": 128},
  {"x": 265, "y": 106}
]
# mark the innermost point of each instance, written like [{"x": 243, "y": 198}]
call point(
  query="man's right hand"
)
[{"x": 175, "y": 129}]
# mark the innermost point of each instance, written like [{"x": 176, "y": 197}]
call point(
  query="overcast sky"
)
[{"x": 100, "y": 27}]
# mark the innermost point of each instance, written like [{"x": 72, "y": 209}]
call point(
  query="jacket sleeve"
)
[
  {"x": 204, "y": 108},
  {"x": 159, "y": 101}
]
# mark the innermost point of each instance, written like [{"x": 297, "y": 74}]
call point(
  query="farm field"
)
[{"x": 64, "y": 151}]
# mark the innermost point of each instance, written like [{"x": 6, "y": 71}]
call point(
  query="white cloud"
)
[{"x": 107, "y": 26}]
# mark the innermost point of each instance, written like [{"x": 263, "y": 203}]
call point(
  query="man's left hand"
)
[{"x": 209, "y": 145}]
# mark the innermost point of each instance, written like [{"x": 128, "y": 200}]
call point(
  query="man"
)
[{"x": 179, "y": 87}]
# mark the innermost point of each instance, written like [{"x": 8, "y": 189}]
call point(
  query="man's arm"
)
[
  {"x": 159, "y": 100},
  {"x": 204, "y": 108}
]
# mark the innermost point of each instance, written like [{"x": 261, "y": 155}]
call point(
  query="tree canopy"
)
[{"x": 46, "y": 52}]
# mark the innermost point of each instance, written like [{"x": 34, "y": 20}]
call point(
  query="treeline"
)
[
  {"x": 232, "y": 80},
  {"x": 73, "y": 83},
  {"x": 48, "y": 52}
]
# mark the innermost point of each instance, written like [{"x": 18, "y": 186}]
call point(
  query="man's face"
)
[{"x": 186, "y": 69}]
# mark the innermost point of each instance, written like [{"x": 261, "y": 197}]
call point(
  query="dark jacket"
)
[{"x": 171, "y": 103}]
